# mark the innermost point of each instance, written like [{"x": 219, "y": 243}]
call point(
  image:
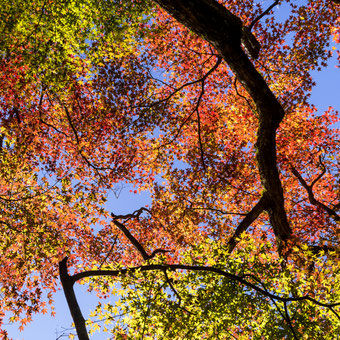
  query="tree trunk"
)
[{"x": 222, "y": 29}]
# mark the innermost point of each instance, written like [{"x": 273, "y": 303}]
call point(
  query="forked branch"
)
[
  {"x": 135, "y": 243},
  {"x": 309, "y": 188}
]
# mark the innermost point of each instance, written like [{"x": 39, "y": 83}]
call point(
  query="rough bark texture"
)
[
  {"x": 250, "y": 43},
  {"x": 67, "y": 282},
  {"x": 213, "y": 22}
]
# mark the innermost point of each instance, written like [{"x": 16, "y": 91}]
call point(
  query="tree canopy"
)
[{"x": 205, "y": 105}]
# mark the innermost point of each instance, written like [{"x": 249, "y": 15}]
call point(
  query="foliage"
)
[
  {"x": 217, "y": 307},
  {"x": 242, "y": 237}
]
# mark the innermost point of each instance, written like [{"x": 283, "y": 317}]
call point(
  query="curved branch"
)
[
  {"x": 136, "y": 244},
  {"x": 162, "y": 267},
  {"x": 200, "y": 80}
]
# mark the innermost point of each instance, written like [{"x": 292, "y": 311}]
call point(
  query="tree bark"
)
[{"x": 67, "y": 282}]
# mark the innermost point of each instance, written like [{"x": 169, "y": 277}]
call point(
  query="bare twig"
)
[
  {"x": 309, "y": 188},
  {"x": 259, "y": 17}
]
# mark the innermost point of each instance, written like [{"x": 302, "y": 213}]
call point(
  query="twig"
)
[
  {"x": 289, "y": 321},
  {"x": 201, "y": 80},
  {"x": 199, "y": 127},
  {"x": 172, "y": 287},
  {"x": 312, "y": 199},
  {"x": 259, "y": 17}
]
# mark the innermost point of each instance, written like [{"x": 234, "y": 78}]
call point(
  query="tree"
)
[{"x": 205, "y": 105}]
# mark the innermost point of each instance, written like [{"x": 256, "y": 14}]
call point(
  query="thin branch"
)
[
  {"x": 259, "y": 17},
  {"x": 199, "y": 126},
  {"x": 68, "y": 116},
  {"x": 40, "y": 115},
  {"x": 265, "y": 288},
  {"x": 335, "y": 313},
  {"x": 132, "y": 239},
  {"x": 323, "y": 171},
  {"x": 219, "y": 60},
  {"x": 109, "y": 252},
  {"x": 218, "y": 211},
  {"x": 172, "y": 287},
  {"x": 136, "y": 244},
  {"x": 240, "y": 95},
  {"x": 75, "y": 132},
  {"x": 289, "y": 321},
  {"x": 200, "y": 80},
  {"x": 312, "y": 199}
]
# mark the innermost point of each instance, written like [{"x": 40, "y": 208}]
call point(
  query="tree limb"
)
[
  {"x": 136, "y": 244},
  {"x": 246, "y": 222},
  {"x": 222, "y": 29},
  {"x": 162, "y": 267},
  {"x": 67, "y": 282},
  {"x": 309, "y": 188},
  {"x": 259, "y": 17}
]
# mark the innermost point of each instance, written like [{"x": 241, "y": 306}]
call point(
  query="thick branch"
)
[
  {"x": 216, "y": 24},
  {"x": 163, "y": 267},
  {"x": 135, "y": 214},
  {"x": 246, "y": 222},
  {"x": 67, "y": 282}
]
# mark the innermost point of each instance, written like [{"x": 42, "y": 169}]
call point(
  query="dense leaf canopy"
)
[{"x": 205, "y": 105}]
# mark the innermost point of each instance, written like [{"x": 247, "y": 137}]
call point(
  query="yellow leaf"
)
[{"x": 211, "y": 262}]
